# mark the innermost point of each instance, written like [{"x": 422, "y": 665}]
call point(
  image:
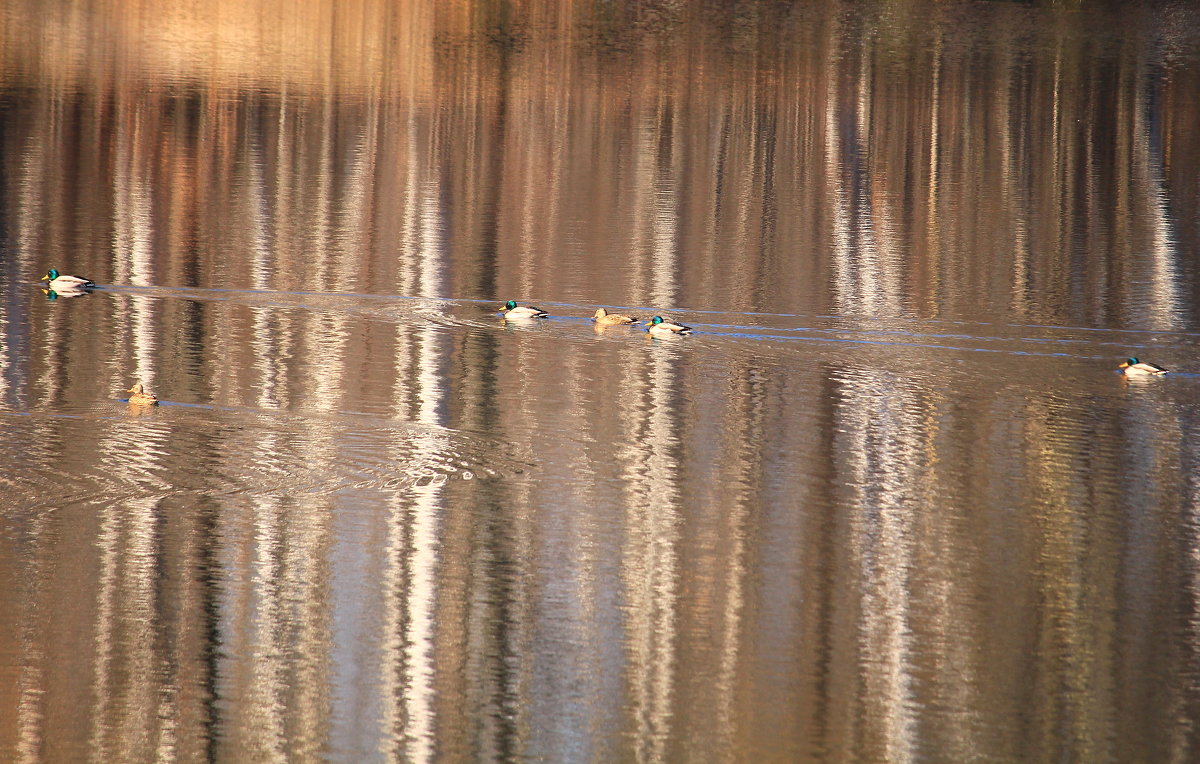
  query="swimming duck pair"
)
[{"x": 657, "y": 325}]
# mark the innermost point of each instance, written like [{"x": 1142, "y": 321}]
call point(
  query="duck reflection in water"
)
[{"x": 52, "y": 295}]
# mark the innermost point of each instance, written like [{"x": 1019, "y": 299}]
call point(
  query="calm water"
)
[{"x": 889, "y": 502}]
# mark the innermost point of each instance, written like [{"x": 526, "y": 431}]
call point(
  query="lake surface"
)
[{"x": 890, "y": 501}]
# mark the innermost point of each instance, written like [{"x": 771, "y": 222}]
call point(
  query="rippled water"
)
[{"x": 890, "y": 501}]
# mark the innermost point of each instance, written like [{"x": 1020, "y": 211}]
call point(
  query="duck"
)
[
  {"x": 138, "y": 394},
  {"x": 663, "y": 328},
  {"x": 57, "y": 282},
  {"x": 1134, "y": 366},
  {"x": 604, "y": 318},
  {"x": 512, "y": 310}
]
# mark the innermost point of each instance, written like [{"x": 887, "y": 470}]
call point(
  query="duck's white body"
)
[
  {"x": 512, "y": 310},
  {"x": 60, "y": 283},
  {"x": 524, "y": 311},
  {"x": 660, "y": 327},
  {"x": 1133, "y": 366}
]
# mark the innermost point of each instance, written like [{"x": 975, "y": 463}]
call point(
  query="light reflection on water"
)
[{"x": 889, "y": 502}]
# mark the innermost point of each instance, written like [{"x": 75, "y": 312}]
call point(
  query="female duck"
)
[
  {"x": 663, "y": 328},
  {"x": 604, "y": 318},
  {"x": 1134, "y": 366},
  {"x": 61, "y": 284},
  {"x": 138, "y": 394},
  {"x": 512, "y": 310}
]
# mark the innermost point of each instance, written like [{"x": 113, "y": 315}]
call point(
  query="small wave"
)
[
  {"x": 572, "y": 322},
  {"x": 202, "y": 449}
]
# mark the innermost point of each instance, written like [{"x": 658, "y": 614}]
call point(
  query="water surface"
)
[{"x": 890, "y": 501}]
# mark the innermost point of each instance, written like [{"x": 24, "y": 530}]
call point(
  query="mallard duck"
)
[
  {"x": 512, "y": 310},
  {"x": 604, "y": 318},
  {"x": 664, "y": 328},
  {"x": 1134, "y": 366},
  {"x": 62, "y": 284},
  {"x": 139, "y": 395}
]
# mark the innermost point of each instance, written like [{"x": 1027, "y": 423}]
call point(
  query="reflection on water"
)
[{"x": 889, "y": 502}]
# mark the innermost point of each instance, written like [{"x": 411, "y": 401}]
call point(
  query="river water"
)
[{"x": 890, "y": 500}]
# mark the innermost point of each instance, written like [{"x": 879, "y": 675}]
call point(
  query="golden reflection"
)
[
  {"x": 256, "y": 630},
  {"x": 125, "y": 666},
  {"x": 1180, "y": 737},
  {"x": 133, "y": 233},
  {"x": 649, "y": 567},
  {"x": 410, "y": 568},
  {"x": 9, "y": 393},
  {"x": 411, "y": 563},
  {"x": 34, "y": 652},
  {"x": 465, "y": 152},
  {"x": 882, "y": 448},
  {"x": 1075, "y": 631},
  {"x": 1159, "y": 306},
  {"x": 655, "y": 201},
  {"x": 742, "y": 432}
]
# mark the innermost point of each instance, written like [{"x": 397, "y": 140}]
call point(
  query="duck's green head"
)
[
  {"x": 510, "y": 304},
  {"x": 1131, "y": 361},
  {"x": 51, "y": 274},
  {"x": 656, "y": 320}
]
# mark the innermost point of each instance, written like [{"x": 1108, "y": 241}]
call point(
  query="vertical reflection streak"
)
[
  {"x": 1015, "y": 187},
  {"x": 320, "y": 233},
  {"x": 29, "y": 210},
  {"x": 1182, "y": 741},
  {"x": 139, "y": 713},
  {"x": 933, "y": 187},
  {"x": 1164, "y": 297},
  {"x": 132, "y": 236},
  {"x": 882, "y": 457},
  {"x": 269, "y": 339},
  {"x": 353, "y": 237},
  {"x": 650, "y": 568},
  {"x": 129, "y": 683},
  {"x": 31, "y": 240},
  {"x": 31, "y": 198},
  {"x": 665, "y": 220},
  {"x": 263, "y": 681},
  {"x": 126, "y": 717},
  {"x": 31, "y": 695},
  {"x": 266, "y": 732},
  {"x": 745, "y": 433},
  {"x": 411, "y": 214},
  {"x": 107, "y": 543},
  {"x": 655, "y": 208},
  {"x": 877, "y": 240},
  {"x": 9, "y": 393},
  {"x": 410, "y": 588},
  {"x": 842, "y": 246},
  {"x": 866, "y": 278}
]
